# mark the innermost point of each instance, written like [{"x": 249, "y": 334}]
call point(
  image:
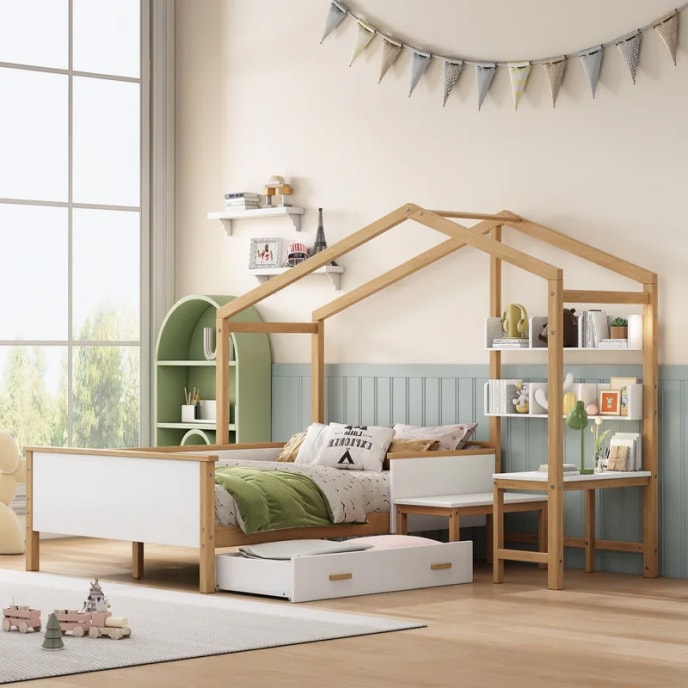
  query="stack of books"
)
[
  {"x": 501, "y": 395},
  {"x": 510, "y": 343},
  {"x": 242, "y": 200},
  {"x": 613, "y": 344}
]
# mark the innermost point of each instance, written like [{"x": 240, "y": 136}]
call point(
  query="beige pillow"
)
[
  {"x": 291, "y": 447},
  {"x": 449, "y": 436},
  {"x": 413, "y": 445}
]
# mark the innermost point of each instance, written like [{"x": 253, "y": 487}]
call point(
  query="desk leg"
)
[
  {"x": 497, "y": 534},
  {"x": 489, "y": 533},
  {"x": 454, "y": 526},
  {"x": 402, "y": 521},
  {"x": 589, "y": 531},
  {"x": 542, "y": 532}
]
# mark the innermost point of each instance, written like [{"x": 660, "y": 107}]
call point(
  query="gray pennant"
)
[
  {"x": 452, "y": 72},
  {"x": 630, "y": 49},
  {"x": 335, "y": 16},
  {"x": 484, "y": 73},
  {"x": 418, "y": 66},
  {"x": 592, "y": 63},
  {"x": 555, "y": 75},
  {"x": 390, "y": 53}
]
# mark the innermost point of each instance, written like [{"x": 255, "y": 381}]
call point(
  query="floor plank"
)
[{"x": 603, "y": 630}]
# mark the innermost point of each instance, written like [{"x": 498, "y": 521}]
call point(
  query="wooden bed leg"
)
[
  {"x": 137, "y": 560},
  {"x": 542, "y": 532}
]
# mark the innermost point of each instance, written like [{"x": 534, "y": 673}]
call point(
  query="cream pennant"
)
[
  {"x": 518, "y": 73},
  {"x": 390, "y": 53},
  {"x": 667, "y": 28},
  {"x": 630, "y": 49},
  {"x": 364, "y": 34},
  {"x": 555, "y": 75},
  {"x": 484, "y": 73},
  {"x": 452, "y": 72},
  {"x": 591, "y": 60},
  {"x": 335, "y": 16},
  {"x": 418, "y": 66}
]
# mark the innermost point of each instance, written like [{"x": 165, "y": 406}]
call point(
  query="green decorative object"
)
[
  {"x": 53, "y": 634},
  {"x": 577, "y": 419}
]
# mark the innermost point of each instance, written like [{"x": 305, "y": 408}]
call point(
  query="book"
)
[
  {"x": 612, "y": 344},
  {"x": 240, "y": 205},
  {"x": 510, "y": 342},
  {"x": 569, "y": 469},
  {"x": 637, "y": 446},
  {"x": 625, "y": 451},
  {"x": 241, "y": 194}
]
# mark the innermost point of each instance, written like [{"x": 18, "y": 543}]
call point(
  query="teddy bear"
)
[{"x": 12, "y": 472}]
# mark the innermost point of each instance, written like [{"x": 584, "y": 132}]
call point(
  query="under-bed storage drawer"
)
[{"x": 346, "y": 574}]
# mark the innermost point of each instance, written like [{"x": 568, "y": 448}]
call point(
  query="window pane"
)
[
  {"x": 106, "y": 142},
  {"x": 34, "y": 32},
  {"x": 33, "y": 394},
  {"x": 33, "y": 281},
  {"x": 107, "y": 36},
  {"x": 106, "y": 275},
  {"x": 33, "y": 135},
  {"x": 106, "y": 396}
]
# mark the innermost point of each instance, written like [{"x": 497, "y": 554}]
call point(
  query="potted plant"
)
[{"x": 618, "y": 328}]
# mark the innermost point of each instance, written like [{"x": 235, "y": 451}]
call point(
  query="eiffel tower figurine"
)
[{"x": 320, "y": 241}]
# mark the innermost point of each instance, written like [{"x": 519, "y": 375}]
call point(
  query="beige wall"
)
[{"x": 257, "y": 95}]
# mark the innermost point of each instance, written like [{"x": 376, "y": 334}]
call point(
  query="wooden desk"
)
[
  {"x": 554, "y": 556},
  {"x": 454, "y": 505}
]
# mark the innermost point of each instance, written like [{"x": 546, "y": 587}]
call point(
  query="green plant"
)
[{"x": 619, "y": 322}]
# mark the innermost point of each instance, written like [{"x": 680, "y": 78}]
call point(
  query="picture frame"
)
[
  {"x": 265, "y": 252},
  {"x": 622, "y": 384},
  {"x": 610, "y": 402}
]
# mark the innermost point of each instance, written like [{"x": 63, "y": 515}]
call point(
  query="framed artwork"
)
[
  {"x": 265, "y": 252},
  {"x": 610, "y": 402},
  {"x": 622, "y": 383}
]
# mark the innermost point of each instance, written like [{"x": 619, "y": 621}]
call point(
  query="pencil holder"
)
[{"x": 188, "y": 413}]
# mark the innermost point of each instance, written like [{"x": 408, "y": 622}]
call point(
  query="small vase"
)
[{"x": 598, "y": 463}]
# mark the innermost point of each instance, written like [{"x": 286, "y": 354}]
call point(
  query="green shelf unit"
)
[{"x": 180, "y": 364}]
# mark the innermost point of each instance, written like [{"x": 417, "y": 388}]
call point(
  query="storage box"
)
[{"x": 346, "y": 574}]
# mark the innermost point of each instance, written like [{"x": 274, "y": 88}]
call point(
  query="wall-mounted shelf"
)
[
  {"x": 334, "y": 272},
  {"x": 227, "y": 216}
]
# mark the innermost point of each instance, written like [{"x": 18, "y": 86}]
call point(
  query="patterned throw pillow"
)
[
  {"x": 449, "y": 436},
  {"x": 291, "y": 447},
  {"x": 353, "y": 447},
  {"x": 413, "y": 445}
]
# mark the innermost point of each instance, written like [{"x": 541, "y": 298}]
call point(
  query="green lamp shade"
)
[{"x": 577, "y": 418}]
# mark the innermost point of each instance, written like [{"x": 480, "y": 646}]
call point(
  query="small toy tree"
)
[{"x": 53, "y": 634}]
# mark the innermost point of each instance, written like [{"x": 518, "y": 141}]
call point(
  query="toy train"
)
[{"x": 93, "y": 619}]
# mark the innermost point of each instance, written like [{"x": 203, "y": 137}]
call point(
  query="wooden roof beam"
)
[
  {"x": 592, "y": 296},
  {"x": 278, "y": 327}
]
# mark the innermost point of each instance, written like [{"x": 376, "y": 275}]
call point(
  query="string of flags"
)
[{"x": 666, "y": 27}]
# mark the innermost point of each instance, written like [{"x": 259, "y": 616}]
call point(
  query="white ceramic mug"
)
[{"x": 188, "y": 413}]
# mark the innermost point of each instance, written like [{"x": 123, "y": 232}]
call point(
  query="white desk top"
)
[
  {"x": 472, "y": 499},
  {"x": 541, "y": 476}
]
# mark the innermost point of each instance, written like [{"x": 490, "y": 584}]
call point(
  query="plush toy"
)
[
  {"x": 521, "y": 401},
  {"x": 12, "y": 472}
]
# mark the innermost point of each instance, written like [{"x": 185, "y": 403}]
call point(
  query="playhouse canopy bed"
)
[{"x": 181, "y": 508}]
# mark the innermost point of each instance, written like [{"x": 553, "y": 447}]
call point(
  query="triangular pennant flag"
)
[
  {"x": 518, "y": 72},
  {"x": 452, "y": 72},
  {"x": 364, "y": 34},
  {"x": 390, "y": 53},
  {"x": 555, "y": 75},
  {"x": 591, "y": 60},
  {"x": 335, "y": 16},
  {"x": 667, "y": 28},
  {"x": 418, "y": 66},
  {"x": 630, "y": 48},
  {"x": 484, "y": 73}
]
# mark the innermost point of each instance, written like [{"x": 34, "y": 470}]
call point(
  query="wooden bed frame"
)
[{"x": 160, "y": 495}]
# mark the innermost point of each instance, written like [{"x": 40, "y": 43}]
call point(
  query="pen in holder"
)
[{"x": 191, "y": 405}]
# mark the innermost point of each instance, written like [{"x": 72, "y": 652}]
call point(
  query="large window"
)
[{"x": 71, "y": 232}]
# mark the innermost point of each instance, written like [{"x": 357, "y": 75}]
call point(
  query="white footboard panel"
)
[{"x": 114, "y": 497}]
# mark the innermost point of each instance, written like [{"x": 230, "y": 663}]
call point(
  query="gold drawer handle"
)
[
  {"x": 341, "y": 576},
  {"x": 438, "y": 567}
]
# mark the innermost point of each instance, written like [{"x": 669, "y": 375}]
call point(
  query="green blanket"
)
[{"x": 270, "y": 500}]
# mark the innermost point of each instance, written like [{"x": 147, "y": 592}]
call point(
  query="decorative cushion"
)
[
  {"x": 449, "y": 436},
  {"x": 393, "y": 541},
  {"x": 353, "y": 447},
  {"x": 291, "y": 447},
  {"x": 413, "y": 445},
  {"x": 308, "y": 450}
]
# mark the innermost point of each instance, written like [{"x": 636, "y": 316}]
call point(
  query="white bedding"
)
[{"x": 351, "y": 494}]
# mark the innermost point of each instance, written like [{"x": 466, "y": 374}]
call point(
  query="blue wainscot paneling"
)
[{"x": 373, "y": 394}]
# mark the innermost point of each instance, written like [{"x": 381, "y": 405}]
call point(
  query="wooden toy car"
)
[{"x": 21, "y": 617}]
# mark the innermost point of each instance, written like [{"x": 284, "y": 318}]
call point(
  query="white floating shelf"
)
[
  {"x": 226, "y": 216},
  {"x": 334, "y": 272}
]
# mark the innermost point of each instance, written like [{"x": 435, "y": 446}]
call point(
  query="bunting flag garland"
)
[
  {"x": 364, "y": 35},
  {"x": 335, "y": 16},
  {"x": 555, "y": 75},
  {"x": 451, "y": 73},
  {"x": 390, "y": 53},
  {"x": 518, "y": 73},
  {"x": 591, "y": 60},
  {"x": 418, "y": 66},
  {"x": 667, "y": 28},
  {"x": 484, "y": 73},
  {"x": 630, "y": 49}
]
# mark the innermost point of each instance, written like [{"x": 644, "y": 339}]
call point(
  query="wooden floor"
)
[{"x": 602, "y": 630}]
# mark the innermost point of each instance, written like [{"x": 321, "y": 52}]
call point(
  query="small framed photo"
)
[
  {"x": 265, "y": 252},
  {"x": 610, "y": 402}
]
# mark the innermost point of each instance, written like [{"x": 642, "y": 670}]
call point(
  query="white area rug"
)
[{"x": 164, "y": 625}]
